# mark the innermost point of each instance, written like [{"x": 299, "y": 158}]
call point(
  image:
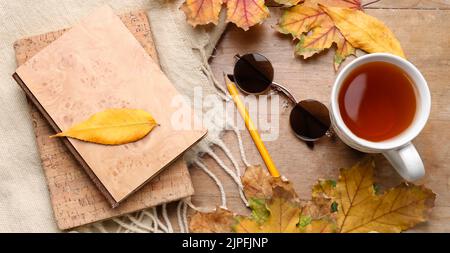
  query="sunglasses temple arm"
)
[{"x": 285, "y": 91}]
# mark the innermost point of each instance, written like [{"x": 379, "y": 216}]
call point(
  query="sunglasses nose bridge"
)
[{"x": 280, "y": 88}]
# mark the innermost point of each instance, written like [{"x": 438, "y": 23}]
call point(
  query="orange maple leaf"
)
[
  {"x": 243, "y": 13},
  {"x": 315, "y": 30}
]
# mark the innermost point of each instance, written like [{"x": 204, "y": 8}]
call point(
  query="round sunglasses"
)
[{"x": 309, "y": 119}]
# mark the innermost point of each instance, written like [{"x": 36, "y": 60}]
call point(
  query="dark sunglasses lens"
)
[
  {"x": 310, "y": 120},
  {"x": 253, "y": 73}
]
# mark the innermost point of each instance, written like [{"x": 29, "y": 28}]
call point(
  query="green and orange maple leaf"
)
[
  {"x": 315, "y": 30},
  {"x": 350, "y": 204}
]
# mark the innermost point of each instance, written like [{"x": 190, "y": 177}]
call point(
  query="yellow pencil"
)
[{"x": 251, "y": 128}]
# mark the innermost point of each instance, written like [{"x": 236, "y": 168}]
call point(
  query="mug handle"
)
[{"x": 407, "y": 162}]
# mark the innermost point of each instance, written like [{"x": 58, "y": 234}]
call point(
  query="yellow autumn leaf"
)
[
  {"x": 360, "y": 209},
  {"x": 343, "y": 50},
  {"x": 315, "y": 30},
  {"x": 202, "y": 12},
  {"x": 352, "y": 4},
  {"x": 324, "y": 189},
  {"x": 284, "y": 212},
  {"x": 246, "y": 13},
  {"x": 317, "y": 226},
  {"x": 112, "y": 127},
  {"x": 320, "y": 38},
  {"x": 301, "y": 19},
  {"x": 259, "y": 184},
  {"x": 279, "y": 210},
  {"x": 364, "y": 31},
  {"x": 219, "y": 221},
  {"x": 243, "y": 13},
  {"x": 288, "y": 3},
  {"x": 350, "y": 204}
]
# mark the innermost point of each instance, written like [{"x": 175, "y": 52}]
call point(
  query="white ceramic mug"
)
[{"x": 399, "y": 150}]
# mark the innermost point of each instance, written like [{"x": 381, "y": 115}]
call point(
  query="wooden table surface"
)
[{"x": 422, "y": 28}]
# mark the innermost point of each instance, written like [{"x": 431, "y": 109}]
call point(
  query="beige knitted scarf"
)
[{"x": 183, "y": 53}]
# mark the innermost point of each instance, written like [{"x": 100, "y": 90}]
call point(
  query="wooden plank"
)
[
  {"x": 75, "y": 199},
  {"x": 409, "y": 4},
  {"x": 395, "y": 4},
  {"x": 427, "y": 45}
]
